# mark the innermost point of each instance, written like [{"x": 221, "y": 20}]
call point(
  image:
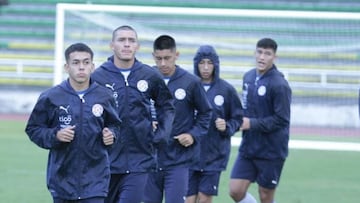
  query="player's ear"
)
[
  {"x": 92, "y": 66},
  {"x": 66, "y": 68},
  {"x": 111, "y": 45}
]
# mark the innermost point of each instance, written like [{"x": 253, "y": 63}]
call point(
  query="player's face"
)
[
  {"x": 165, "y": 60},
  {"x": 264, "y": 59},
  {"x": 206, "y": 69},
  {"x": 125, "y": 45},
  {"x": 79, "y": 67}
]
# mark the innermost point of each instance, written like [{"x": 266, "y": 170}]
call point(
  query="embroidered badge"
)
[
  {"x": 180, "y": 94},
  {"x": 219, "y": 100},
  {"x": 142, "y": 85},
  {"x": 97, "y": 110},
  {"x": 262, "y": 90}
]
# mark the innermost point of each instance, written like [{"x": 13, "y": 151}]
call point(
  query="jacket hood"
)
[
  {"x": 65, "y": 85},
  {"x": 207, "y": 52}
]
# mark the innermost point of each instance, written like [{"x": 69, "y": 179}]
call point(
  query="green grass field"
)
[{"x": 309, "y": 176}]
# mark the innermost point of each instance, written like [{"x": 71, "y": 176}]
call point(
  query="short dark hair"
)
[
  {"x": 164, "y": 42},
  {"x": 81, "y": 47},
  {"x": 123, "y": 27},
  {"x": 267, "y": 43}
]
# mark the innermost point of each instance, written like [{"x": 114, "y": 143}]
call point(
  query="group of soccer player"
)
[{"x": 127, "y": 132}]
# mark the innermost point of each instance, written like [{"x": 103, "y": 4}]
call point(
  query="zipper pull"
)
[{"x": 82, "y": 98}]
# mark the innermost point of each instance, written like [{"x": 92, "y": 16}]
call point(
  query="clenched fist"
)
[{"x": 108, "y": 136}]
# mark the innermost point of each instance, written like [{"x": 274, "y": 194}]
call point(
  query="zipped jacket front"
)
[
  {"x": 266, "y": 102},
  {"x": 193, "y": 114},
  {"x": 81, "y": 168},
  {"x": 225, "y": 101},
  {"x": 135, "y": 148}
]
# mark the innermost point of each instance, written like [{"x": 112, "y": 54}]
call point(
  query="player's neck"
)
[
  {"x": 124, "y": 64},
  {"x": 80, "y": 86}
]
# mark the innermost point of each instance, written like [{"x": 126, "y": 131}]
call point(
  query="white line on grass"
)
[{"x": 316, "y": 145}]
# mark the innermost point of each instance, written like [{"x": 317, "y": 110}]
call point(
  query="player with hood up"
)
[{"x": 226, "y": 119}]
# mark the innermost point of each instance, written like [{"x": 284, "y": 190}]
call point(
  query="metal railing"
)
[
  {"x": 25, "y": 69},
  {"x": 349, "y": 80}
]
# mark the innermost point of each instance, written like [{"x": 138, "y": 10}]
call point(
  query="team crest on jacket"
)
[
  {"x": 142, "y": 85},
  {"x": 262, "y": 90},
  {"x": 97, "y": 110},
  {"x": 219, "y": 100},
  {"x": 180, "y": 94}
]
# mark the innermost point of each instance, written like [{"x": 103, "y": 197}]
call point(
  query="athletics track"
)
[{"x": 294, "y": 144}]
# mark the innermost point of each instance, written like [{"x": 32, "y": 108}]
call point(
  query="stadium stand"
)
[
  {"x": 27, "y": 46},
  {"x": 28, "y": 28}
]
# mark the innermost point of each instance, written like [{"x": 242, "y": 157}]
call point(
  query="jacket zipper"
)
[{"x": 79, "y": 143}]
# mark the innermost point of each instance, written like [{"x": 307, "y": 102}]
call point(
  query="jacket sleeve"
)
[
  {"x": 40, "y": 128},
  {"x": 112, "y": 120},
  {"x": 163, "y": 105},
  {"x": 203, "y": 111},
  {"x": 235, "y": 114},
  {"x": 281, "y": 100}
]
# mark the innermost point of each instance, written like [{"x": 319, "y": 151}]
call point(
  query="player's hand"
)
[
  {"x": 220, "y": 124},
  {"x": 185, "y": 139},
  {"x": 246, "y": 124},
  {"x": 66, "y": 134},
  {"x": 108, "y": 136}
]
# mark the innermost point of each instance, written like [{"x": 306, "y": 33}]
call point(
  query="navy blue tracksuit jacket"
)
[
  {"x": 135, "y": 148},
  {"x": 189, "y": 97},
  {"x": 267, "y": 103},
  {"x": 215, "y": 145},
  {"x": 79, "y": 169}
]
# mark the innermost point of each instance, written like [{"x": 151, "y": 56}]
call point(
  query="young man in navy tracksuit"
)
[
  {"x": 77, "y": 121},
  {"x": 192, "y": 119},
  {"x": 226, "y": 119},
  {"x": 265, "y": 127},
  {"x": 134, "y": 85}
]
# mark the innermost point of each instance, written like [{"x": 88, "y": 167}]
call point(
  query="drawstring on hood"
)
[{"x": 207, "y": 52}]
